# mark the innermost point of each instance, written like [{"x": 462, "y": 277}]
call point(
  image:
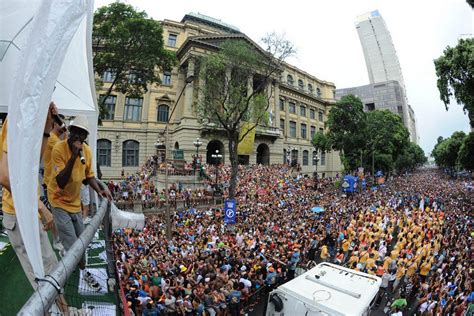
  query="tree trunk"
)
[{"x": 233, "y": 143}]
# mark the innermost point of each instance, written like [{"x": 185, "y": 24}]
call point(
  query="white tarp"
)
[
  {"x": 43, "y": 44},
  {"x": 122, "y": 219}
]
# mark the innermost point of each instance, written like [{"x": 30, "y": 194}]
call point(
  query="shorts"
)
[{"x": 85, "y": 195}]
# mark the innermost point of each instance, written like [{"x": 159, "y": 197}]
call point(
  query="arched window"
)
[
  {"x": 315, "y": 155},
  {"x": 305, "y": 157},
  {"x": 285, "y": 158},
  {"x": 300, "y": 84},
  {"x": 130, "y": 153},
  {"x": 289, "y": 80},
  {"x": 318, "y": 92},
  {"x": 163, "y": 110},
  {"x": 104, "y": 152},
  {"x": 310, "y": 88}
]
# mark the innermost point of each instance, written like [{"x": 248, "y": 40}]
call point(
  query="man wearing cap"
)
[{"x": 68, "y": 172}]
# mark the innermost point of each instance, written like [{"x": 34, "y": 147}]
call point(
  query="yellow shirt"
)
[
  {"x": 412, "y": 268},
  {"x": 48, "y": 165},
  {"x": 68, "y": 198},
  {"x": 345, "y": 245},
  {"x": 370, "y": 263},
  {"x": 400, "y": 272},
  {"x": 364, "y": 257},
  {"x": 386, "y": 262},
  {"x": 324, "y": 252},
  {"x": 425, "y": 268},
  {"x": 7, "y": 200}
]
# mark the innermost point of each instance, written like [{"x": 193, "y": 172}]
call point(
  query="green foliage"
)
[
  {"x": 347, "y": 124},
  {"x": 387, "y": 136},
  {"x": 410, "y": 158},
  {"x": 321, "y": 142},
  {"x": 129, "y": 44},
  {"x": 373, "y": 140},
  {"x": 455, "y": 71},
  {"x": 466, "y": 152},
  {"x": 446, "y": 151}
]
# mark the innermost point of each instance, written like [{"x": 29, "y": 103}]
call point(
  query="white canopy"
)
[{"x": 43, "y": 44}]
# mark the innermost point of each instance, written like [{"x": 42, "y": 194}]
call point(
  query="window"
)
[
  {"x": 303, "y": 110},
  {"x": 282, "y": 105},
  {"x": 108, "y": 76},
  {"x": 312, "y": 114},
  {"x": 323, "y": 158},
  {"x": 310, "y": 88},
  {"x": 109, "y": 104},
  {"x": 305, "y": 157},
  {"x": 334, "y": 94},
  {"x": 163, "y": 111},
  {"x": 320, "y": 116},
  {"x": 130, "y": 153},
  {"x": 282, "y": 125},
  {"x": 318, "y": 92},
  {"x": 172, "y": 40},
  {"x": 303, "y": 131},
  {"x": 289, "y": 80},
  {"x": 133, "y": 109},
  {"x": 300, "y": 84},
  {"x": 104, "y": 152},
  {"x": 293, "y": 129},
  {"x": 292, "y": 107},
  {"x": 321, "y": 130},
  {"x": 284, "y": 156},
  {"x": 294, "y": 157},
  {"x": 167, "y": 78},
  {"x": 313, "y": 131},
  {"x": 135, "y": 77},
  {"x": 315, "y": 154},
  {"x": 369, "y": 107}
]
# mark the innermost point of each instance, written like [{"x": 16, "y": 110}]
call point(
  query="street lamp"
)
[
  {"x": 216, "y": 156},
  {"x": 189, "y": 79},
  {"x": 197, "y": 143}
]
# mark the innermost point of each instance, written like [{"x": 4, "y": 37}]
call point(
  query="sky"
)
[{"x": 328, "y": 47}]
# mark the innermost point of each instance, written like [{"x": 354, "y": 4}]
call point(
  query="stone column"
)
[{"x": 189, "y": 92}]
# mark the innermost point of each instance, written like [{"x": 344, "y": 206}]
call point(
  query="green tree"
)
[
  {"x": 129, "y": 45},
  {"x": 347, "y": 124},
  {"x": 411, "y": 157},
  {"x": 466, "y": 152},
  {"x": 238, "y": 85},
  {"x": 446, "y": 151},
  {"x": 387, "y": 137},
  {"x": 455, "y": 71}
]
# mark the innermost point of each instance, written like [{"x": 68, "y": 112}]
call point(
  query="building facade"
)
[
  {"x": 298, "y": 108},
  {"x": 383, "y": 65}
]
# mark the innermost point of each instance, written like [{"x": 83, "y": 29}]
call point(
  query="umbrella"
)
[{"x": 317, "y": 209}]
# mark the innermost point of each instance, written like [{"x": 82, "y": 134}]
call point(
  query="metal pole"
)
[
  {"x": 42, "y": 299},
  {"x": 167, "y": 211}
]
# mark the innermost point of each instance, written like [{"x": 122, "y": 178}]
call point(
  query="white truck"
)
[{"x": 326, "y": 289}]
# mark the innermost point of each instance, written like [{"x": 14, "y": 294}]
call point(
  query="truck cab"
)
[{"x": 326, "y": 289}]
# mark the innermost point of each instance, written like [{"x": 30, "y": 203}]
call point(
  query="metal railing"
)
[{"x": 50, "y": 287}]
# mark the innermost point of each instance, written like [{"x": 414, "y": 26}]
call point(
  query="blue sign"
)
[
  {"x": 229, "y": 211},
  {"x": 349, "y": 184},
  {"x": 363, "y": 184}
]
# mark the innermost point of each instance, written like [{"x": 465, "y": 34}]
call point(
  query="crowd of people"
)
[
  {"x": 140, "y": 187},
  {"x": 414, "y": 232}
]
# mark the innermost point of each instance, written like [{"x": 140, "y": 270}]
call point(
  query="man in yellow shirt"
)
[
  {"x": 54, "y": 137},
  {"x": 71, "y": 164},
  {"x": 9, "y": 214}
]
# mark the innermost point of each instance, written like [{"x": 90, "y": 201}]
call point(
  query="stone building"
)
[{"x": 298, "y": 108}]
